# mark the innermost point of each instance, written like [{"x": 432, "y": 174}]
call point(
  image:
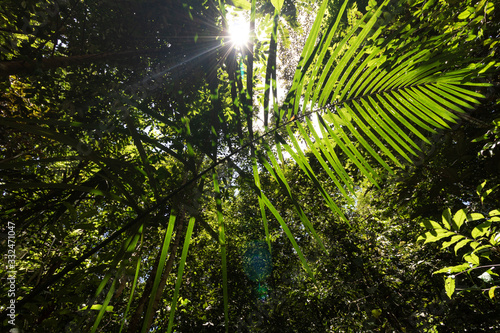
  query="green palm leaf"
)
[
  {"x": 377, "y": 92},
  {"x": 373, "y": 94},
  {"x": 159, "y": 271},
  {"x": 180, "y": 272},
  {"x": 222, "y": 244}
]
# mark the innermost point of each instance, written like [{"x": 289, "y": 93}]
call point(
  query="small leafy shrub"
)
[{"x": 476, "y": 234}]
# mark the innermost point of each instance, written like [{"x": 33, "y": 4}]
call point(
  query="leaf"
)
[
  {"x": 489, "y": 8},
  {"x": 99, "y": 307},
  {"x": 159, "y": 270},
  {"x": 261, "y": 200},
  {"x": 355, "y": 79},
  {"x": 453, "y": 269},
  {"x": 104, "y": 307},
  {"x": 180, "y": 272},
  {"x": 480, "y": 187},
  {"x": 278, "y": 175},
  {"x": 472, "y": 258},
  {"x": 290, "y": 236},
  {"x": 461, "y": 244},
  {"x": 495, "y": 239},
  {"x": 482, "y": 253},
  {"x": 302, "y": 162},
  {"x": 446, "y": 218},
  {"x": 486, "y": 277},
  {"x": 437, "y": 234},
  {"x": 309, "y": 52},
  {"x": 481, "y": 229},
  {"x": 277, "y": 4},
  {"x": 491, "y": 292},
  {"x": 71, "y": 209},
  {"x": 465, "y": 14},
  {"x": 376, "y": 313},
  {"x": 452, "y": 241},
  {"x": 222, "y": 243},
  {"x": 479, "y": 191},
  {"x": 459, "y": 218},
  {"x": 242, "y": 4},
  {"x": 449, "y": 286},
  {"x": 474, "y": 217},
  {"x": 429, "y": 224},
  {"x": 134, "y": 285}
]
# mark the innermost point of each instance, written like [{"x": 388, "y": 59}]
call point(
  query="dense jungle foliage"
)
[{"x": 336, "y": 172}]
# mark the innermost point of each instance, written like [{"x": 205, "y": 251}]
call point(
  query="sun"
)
[{"x": 239, "y": 31}]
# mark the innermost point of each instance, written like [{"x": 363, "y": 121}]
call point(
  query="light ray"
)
[{"x": 183, "y": 62}]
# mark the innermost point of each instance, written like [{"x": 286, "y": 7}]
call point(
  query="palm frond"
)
[
  {"x": 375, "y": 95},
  {"x": 180, "y": 272},
  {"x": 222, "y": 244},
  {"x": 132, "y": 290},
  {"x": 159, "y": 271},
  {"x": 377, "y": 92}
]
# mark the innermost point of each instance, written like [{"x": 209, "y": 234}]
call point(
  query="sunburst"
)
[{"x": 239, "y": 32}]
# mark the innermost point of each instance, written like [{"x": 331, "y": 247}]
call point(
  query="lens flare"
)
[{"x": 257, "y": 262}]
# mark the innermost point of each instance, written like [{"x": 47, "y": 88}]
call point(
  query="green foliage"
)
[
  {"x": 492, "y": 138},
  {"x": 121, "y": 163},
  {"x": 477, "y": 237}
]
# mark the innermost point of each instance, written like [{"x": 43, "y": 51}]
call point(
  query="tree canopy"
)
[{"x": 336, "y": 172}]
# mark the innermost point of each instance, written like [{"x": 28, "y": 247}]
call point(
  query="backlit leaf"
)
[
  {"x": 453, "y": 269},
  {"x": 481, "y": 229},
  {"x": 491, "y": 292},
  {"x": 277, "y": 4},
  {"x": 461, "y": 244},
  {"x": 459, "y": 218},
  {"x": 486, "y": 277},
  {"x": 449, "y": 286},
  {"x": 472, "y": 258},
  {"x": 452, "y": 241}
]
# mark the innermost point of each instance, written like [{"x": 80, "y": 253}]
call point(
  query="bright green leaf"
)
[
  {"x": 495, "y": 239},
  {"x": 437, "y": 234},
  {"x": 99, "y": 307},
  {"x": 481, "y": 229},
  {"x": 449, "y": 286},
  {"x": 277, "y": 4},
  {"x": 452, "y": 241},
  {"x": 461, "y": 244},
  {"x": 459, "y": 218},
  {"x": 474, "y": 217},
  {"x": 446, "y": 218},
  {"x": 376, "y": 313},
  {"x": 242, "y": 4},
  {"x": 489, "y": 7},
  {"x": 453, "y": 269},
  {"x": 472, "y": 258}
]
